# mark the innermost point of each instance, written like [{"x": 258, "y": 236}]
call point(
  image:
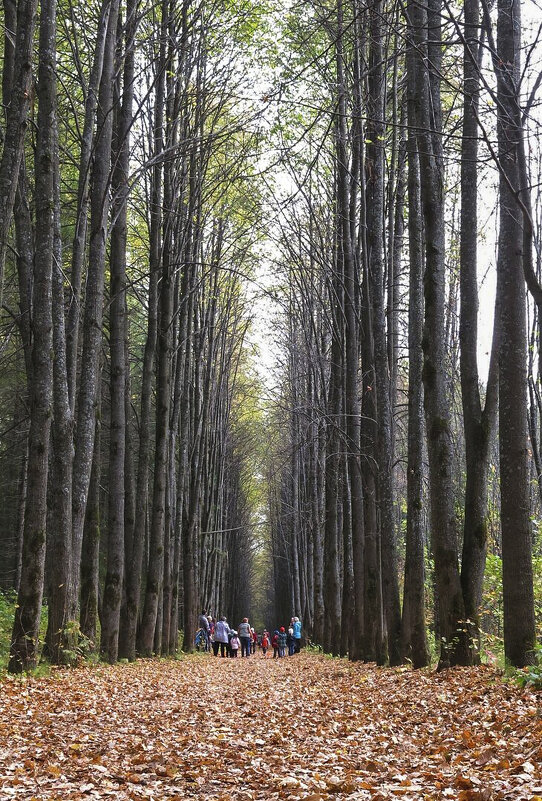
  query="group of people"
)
[{"x": 218, "y": 636}]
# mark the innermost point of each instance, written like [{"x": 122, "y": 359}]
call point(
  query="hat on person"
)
[{"x": 282, "y": 628}]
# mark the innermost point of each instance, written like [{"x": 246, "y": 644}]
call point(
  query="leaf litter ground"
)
[{"x": 306, "y": 727}]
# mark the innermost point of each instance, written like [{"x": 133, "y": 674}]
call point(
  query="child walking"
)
[{"x": 234, "y": 644}]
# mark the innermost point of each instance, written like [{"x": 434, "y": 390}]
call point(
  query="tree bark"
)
[
  {"x": 413, "y": 628},
  {"x": 454, "y": 644},
  {"x": 24, "y": 641},
  {"x": 374, "y": 165},
  {"x": 17, "y": 80},
  {"x": 479, "y": 423},
  {"x": 93, "y": 316},
  {"x": 518, "y": 597}
]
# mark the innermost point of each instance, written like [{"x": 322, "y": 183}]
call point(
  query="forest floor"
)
[{"x": 306, "y": 727}]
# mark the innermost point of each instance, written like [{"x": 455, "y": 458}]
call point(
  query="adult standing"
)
[
  {"x": 214, "y": 644},
  {"x": 204, "y": 626},
  {"x": 297, "y": 634},
  {"x": 222, "y": 631},
  {"x": 243, "y": 631},
  {"x": 290, "y": 642}
]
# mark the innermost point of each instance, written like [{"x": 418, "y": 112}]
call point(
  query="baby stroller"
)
[{"x": 200, "y": 641}]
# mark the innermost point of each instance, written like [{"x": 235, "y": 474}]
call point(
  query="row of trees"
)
[
  {"x": 128, "y": 213},
  {"x": 380, "y": 238},
  {"x": 136, "y": 162}
]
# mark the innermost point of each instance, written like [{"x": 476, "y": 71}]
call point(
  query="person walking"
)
[
  {"x": 243, "y": 630},
  {"x": 221, "y": 636}
]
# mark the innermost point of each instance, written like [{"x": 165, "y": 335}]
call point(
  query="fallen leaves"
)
[{"x": 304, "y": 729}]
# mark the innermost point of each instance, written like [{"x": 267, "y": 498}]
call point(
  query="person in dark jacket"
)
[
  {"x": 282, "y": 641},
  {"x": 290, "y": 642},
  {"x": 203, "y": 623},
  {"x": 275, "y": 644}
]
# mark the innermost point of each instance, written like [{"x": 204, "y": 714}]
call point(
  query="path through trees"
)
[
  {"x": 306, "y": 727},
  {"x": 367, "y": 178}
]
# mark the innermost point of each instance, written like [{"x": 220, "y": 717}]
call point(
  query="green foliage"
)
[
  {"x": 491, "y": 614},
  {"x": 7, "y": 609},
  {"x": 8, "y": 604},
  {"x": 531, "y": 676},
  {"x": 78, "y": 647}
]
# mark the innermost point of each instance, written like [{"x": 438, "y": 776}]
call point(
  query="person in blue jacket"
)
[{"x": 296, "y": 625}]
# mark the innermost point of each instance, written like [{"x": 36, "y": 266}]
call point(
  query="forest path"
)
[{"x": 305, "y": 727}]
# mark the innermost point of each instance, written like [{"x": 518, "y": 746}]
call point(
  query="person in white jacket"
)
[{"x": 222, "y": 631}]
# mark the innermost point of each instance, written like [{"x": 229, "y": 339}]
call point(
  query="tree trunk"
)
[
  {"x": 93, "y": 317},
  {"x": 17, "y": 80},
  {"x": 83, "y": 198},
  {"x": 90, "y": 552},
  {"x": 454, "y": 644},
  {"x": 59, "y": 529},
  {"x": 24, "y": 641},
  {"x": 413, "y": 629},
  {"x": 351, "y": 335},
  {"x": 479, "y": 424},
  {"x": 134, "y": 568},
  {"x": 112, "y": 597},
  {"x": 518, "y": 599},
  {"x": 374, "y": 167},
  {"x": 155, "y": 571},
  {"x": 332, "y": 620}
]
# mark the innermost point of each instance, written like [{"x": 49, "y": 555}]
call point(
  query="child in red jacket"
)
[{"x": 275, "y": 644}]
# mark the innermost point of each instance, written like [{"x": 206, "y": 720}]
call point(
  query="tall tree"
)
[
  {"x": 93, "y": 314},
  {"x": 454, "y": 641},
  {"x": 479, "y": 419},
  {"x": 375, "y": 135},
  {"x": 24, "y": 642},
  {"x": 413, "y": 625},
  {"x": 16, "y": 86},
  {"x": 123, "y": 103},
  {"x": 518, "y": 597}
]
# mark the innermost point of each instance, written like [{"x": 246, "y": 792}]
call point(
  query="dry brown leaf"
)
[{"x": 319, "y": 730}]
